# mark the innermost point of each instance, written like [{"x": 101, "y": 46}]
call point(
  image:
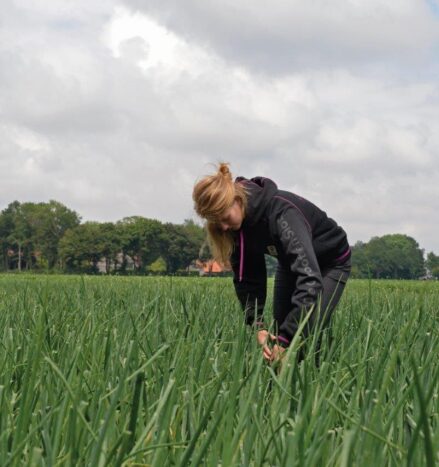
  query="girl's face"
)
[{"x": 231, "y": 218}]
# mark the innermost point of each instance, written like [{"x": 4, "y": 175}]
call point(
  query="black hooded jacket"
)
[{"x": 300, "y": 235}]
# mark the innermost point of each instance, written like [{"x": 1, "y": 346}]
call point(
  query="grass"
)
[{"x": 161, "y": 371}]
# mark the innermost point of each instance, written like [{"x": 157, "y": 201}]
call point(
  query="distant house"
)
[
  {"x": 209, "y": 268},
  {"x": 105, "y": 266},
  {"x": 427, "y": 277}
]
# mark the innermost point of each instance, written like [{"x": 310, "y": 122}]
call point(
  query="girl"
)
[{"x": 248, "y": 218}]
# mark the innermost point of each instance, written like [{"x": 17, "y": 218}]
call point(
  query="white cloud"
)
[
  {"x": 164, "y": 53},
  {"x": 25, "y": 139},
  {"x": 286, "y": 36}
]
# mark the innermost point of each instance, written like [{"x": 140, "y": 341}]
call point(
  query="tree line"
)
[
  {"x": 394, "y": 256},
  {"x": 51, "y": 237}
]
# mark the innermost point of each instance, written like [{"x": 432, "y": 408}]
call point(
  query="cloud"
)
[
  {"x": 115, "y": 109},
  {"x": 290, "y": 36}
]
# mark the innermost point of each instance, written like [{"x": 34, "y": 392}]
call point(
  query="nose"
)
[{"x": 224, "y": 226}]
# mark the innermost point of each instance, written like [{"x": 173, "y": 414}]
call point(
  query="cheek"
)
[{"x": 238, "y": 217}]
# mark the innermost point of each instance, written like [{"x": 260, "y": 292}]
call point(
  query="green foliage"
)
[
  {"x": 194, "y": 230},
  {"x": 180, "y": 247},
  {"x": 271, "y": 265},
  {"x": 30, "y": 234},
  {"x": 394, "y": 256},
  {"x": 50, "y": 221},
  {"x": 147, "y": 240},
  {"x": 82, "y": 247},
  {"x": 163, "y": 371},
  {"x": 36, "y": 236},
  {"x": 159, "y": 265},
  {"x": 141, "y": 239},
  {"x": 432, "y": 264}
]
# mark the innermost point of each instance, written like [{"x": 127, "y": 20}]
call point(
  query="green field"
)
[{"x": 161, "y": 371}]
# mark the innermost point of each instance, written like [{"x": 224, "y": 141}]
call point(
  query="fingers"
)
[
  {"x": 263, "y": 338},
  {"x": 271, "y": 354},
  {"x": 277, "y": 353},
  {"x": 267, "y": 352}
]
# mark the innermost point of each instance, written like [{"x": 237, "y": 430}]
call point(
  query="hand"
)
[
  {"x": 277, "y": 353},
  {"x": 273, "y": 354}
]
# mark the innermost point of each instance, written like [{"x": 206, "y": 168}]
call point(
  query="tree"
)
[
  {"x": 141, "y": 239},
  {"x": 180, "y": 247},
  {"x": 109, "y": 245},
  {"x": 6, "y": 227},
  {"x": 18, "y": 236},
  {"x": 432, "y": 264},
  {"x": 81, "y": 247},
  {"x": 50, "y": 223},
  {"x": 159, "y": 265},
  {"x": 198, "y": 234},
  {"x": 30, "y": 233},
  {"x": 360, "y": 264},
  {"x": 393, "y": 256}
]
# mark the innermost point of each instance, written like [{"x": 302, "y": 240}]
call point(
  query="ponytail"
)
[{"x": 212, "y": 196}]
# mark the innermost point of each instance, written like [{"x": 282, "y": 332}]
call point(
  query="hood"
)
[{"x": 261, "y": 191}]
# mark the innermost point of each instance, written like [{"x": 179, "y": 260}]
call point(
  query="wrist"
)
[{"x": 283, "y": 341}]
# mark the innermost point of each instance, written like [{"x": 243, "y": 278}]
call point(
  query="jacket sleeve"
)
[
  {"x": 252, "y": 288},
  {"x": 294, "y": 234}
]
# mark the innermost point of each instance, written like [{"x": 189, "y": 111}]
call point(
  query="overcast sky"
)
[{"x": 115, "y": 108}]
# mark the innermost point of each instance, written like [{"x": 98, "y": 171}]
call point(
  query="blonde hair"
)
[{"x": 212, "y": 196}]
